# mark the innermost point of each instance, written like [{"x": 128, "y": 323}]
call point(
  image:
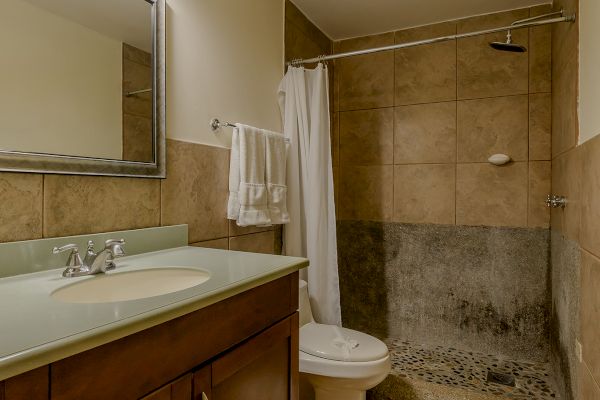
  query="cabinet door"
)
[
  {"x": 181, "y": 389},
  {"x": 203, "y": 383},
  {"x": 262, "y": 368},
  {"x": 32, "y": 385}
]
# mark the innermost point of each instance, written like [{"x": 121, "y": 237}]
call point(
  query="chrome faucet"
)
[{"x": 93, "y": 263}]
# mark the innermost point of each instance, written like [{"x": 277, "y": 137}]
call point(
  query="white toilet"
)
[{"x": 339, "y": 363}]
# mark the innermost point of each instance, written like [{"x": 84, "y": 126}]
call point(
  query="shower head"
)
[{"x": 508, "y": 45}]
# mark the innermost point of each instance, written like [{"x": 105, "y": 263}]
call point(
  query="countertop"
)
[{"x": 36, "y": 329}]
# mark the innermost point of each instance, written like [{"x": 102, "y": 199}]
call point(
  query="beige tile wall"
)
[
  {"x": 417, "y": 126},
  {"x": 194, "y": 193},
  {"x": 576, "y": 175}
]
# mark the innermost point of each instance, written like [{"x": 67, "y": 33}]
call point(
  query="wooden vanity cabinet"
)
[{"x": 241, "y": 348}]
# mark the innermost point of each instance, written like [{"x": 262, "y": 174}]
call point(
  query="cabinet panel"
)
[
  {"x": 258, "y": 369},
  {"x": 181, "y": 389},
  {"x": 203, "y": 383},
  {"x": 32, "y": 385},
  {"x": 160, "y": 354}
]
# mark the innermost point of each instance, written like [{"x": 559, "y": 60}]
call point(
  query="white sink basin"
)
[{"x": 132, "y": 285}]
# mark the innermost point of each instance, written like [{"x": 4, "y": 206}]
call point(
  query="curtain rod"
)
[{"x": 515, "y": 25}]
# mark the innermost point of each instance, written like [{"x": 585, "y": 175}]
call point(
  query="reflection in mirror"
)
[{"x": 77, "y": 78}]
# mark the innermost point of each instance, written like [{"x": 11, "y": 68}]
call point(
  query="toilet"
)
[{"x": 339, "y": 363}]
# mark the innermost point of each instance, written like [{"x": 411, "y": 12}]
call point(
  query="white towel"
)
[
  {"x": 275, "y": 177},
  {"x": 248, "y": 202}
]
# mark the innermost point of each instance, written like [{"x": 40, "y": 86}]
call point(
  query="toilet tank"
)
[{"x": 304, "y": 304}]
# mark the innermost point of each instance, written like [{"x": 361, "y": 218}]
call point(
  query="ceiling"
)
[
  {"x": 127, "y": 21},
  {"x": 342, "y": 19}
]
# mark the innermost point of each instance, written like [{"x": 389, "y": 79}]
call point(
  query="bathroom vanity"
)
[{"x": 234, "y": 336}]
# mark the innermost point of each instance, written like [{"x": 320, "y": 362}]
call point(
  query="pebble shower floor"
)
[{"x": 468, "y": 370}]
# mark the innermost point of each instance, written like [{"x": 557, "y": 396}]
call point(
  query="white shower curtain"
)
[{"x": 311, "y": 233}]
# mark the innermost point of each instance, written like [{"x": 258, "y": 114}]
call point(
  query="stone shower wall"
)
[{"x": 481, "y": 289}]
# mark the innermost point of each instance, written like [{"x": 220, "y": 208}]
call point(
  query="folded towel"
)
[
  {"x": 276, "y": 177},
  {"x": 250, "y": 199}
]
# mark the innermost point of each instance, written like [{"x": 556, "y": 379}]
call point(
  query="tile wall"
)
[
  {"x": 575, "y": 229},
  {"x": 414, "y": 129},
  {"x": 195, "y": 193}
]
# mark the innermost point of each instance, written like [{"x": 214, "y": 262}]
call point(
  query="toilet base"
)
[{"x": 340, "y": 394}]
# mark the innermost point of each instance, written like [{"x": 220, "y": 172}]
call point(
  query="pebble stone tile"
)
[{"x": 468, "y": 370}]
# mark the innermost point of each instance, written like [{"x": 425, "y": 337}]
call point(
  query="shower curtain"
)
[{"x": 311, "y": 233}]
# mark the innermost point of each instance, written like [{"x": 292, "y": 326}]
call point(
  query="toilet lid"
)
[{"x": 340, "y": 344}]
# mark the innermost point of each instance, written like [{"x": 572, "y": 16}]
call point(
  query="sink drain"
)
[{"x": 501, "y": 378}]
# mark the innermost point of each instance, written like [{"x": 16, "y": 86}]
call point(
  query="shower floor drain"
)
[{"x": 501, "y": 378}]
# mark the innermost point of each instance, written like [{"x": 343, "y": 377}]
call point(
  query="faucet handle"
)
[
  {"x": 115, "y": 246},
  {"x": 74, "y": 259}
]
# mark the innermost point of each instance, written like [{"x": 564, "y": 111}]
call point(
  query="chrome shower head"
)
[{"x": 508, "y": 45}]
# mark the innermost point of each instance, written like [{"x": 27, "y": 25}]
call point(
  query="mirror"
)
[{"x": 82, "y": 87}]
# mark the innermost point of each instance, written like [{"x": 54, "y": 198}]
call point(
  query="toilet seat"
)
[
  {"x": 340, "y": 344},
  {"x": 322, "y": 354}
]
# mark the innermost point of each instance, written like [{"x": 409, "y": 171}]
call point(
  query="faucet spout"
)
[{"x": 96, "y": 263}]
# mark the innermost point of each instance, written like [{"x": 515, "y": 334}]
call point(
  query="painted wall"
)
[
  {"x": 61, "y": 85},
  {"x": 225, "y": 60},
  {"x": 589, "y": 56}
]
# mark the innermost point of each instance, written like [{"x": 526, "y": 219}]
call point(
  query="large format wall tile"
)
[
  {"x": 566, "y": 181},
  {"x": 540, "y": 53},
  {"x": 590, "y": 313},
  {"x": 490, "y": 195},
  {"x": 540, "y": 176},
  {"x": 590, "y": 195},
  {"x": 424, "y": 193},
  {"x": 540, "y": 126},
  {"x": 367, "y": 137},
  {"x": 540, "y": 59},
  {"x": 295, "y": 17},
  {"x": 221, "y": 244},
  {"x": 485, "y": 72},
  {"x": 491, "y": 126},
  {"x": 426, "y": 73},
  {"x": 565, "y": 119},
  {"x": 21, "y": 211},
  {"x": 366, "y": 81},
  {"x": 366, "y": 192},
  {"x": 254, "y": 243},
  {"x": 425, "y": 133},
  {"x": 76, "y": 205},
  {"x": 195, "y": 191}
]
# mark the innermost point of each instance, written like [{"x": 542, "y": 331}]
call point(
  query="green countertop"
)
[{"x": 36, "y": 329}]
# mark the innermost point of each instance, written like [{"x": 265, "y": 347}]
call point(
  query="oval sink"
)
[{"x": 133, "y": 285}]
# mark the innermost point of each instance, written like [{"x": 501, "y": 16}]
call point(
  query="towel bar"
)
[{"x": 216, "y": 124}]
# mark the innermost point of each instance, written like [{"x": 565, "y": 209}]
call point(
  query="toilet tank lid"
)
[{"x": 340, "y": 344}]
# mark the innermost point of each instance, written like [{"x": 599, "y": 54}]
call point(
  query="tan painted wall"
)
[
  {"x": 225, "y": 60},
  {"x": 61, "y": 85},
  {"x": 589, "y": 84}
]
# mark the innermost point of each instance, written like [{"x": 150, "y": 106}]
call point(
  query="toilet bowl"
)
[{"x": 339, "y": 363}]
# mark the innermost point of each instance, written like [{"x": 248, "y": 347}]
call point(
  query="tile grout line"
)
[{"x": 456, "y": 130}]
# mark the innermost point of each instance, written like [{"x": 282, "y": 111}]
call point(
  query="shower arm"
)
[
  {"x": 537, "y": 17},
  {"x": 530, "y": 22}
]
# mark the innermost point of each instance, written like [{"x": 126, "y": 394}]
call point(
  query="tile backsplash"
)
[{"x": 195, "y": 193}]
